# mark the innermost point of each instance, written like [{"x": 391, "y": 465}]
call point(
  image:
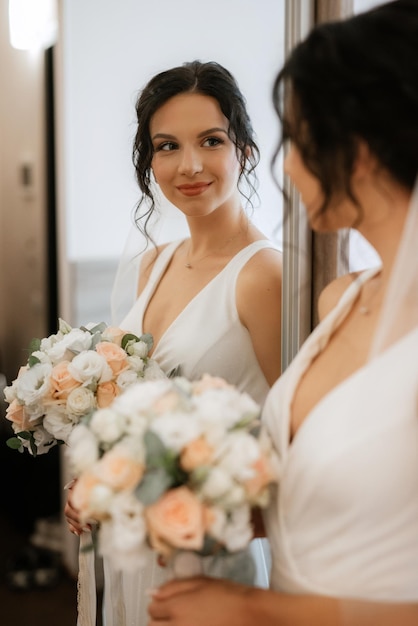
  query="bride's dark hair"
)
[
  {"x": 354, "y": 80},
  {"x": 210, "y": 79}
]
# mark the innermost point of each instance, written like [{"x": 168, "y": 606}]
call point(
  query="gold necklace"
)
[{"x": 190, "y": 266}]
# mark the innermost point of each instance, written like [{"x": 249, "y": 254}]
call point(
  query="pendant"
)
[
  {"x": 189, "y": 267},
  {"x": 364, "y": 310}
]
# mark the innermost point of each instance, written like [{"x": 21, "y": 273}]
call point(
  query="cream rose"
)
[
  {"x": 115, "y": 357},
  {"x": 81, "y": 401},
  {"x": 176, "y": 520}
]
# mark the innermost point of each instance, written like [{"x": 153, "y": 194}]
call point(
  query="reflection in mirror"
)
[{"x": 108, "y": 52}]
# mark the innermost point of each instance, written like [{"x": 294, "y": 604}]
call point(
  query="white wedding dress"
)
[
  {"x": 344, "y": 519},
  {"x": 207, "y": 337}
]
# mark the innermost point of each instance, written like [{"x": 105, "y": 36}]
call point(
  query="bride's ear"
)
[{"x": 365, "y": 162}]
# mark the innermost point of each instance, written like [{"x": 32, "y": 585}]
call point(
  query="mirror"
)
[{"x": 108, "y": 52}]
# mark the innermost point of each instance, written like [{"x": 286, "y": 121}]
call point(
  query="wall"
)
[
  {"x": 24, "y": 300},
  {"x": 110, "y": 49}
]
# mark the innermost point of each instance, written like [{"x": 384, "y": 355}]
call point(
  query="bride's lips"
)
[{"x": 193, "y": 190}]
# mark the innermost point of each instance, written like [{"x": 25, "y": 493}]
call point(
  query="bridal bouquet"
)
[
  {"x": 69, "y": 375},
  {"x": 176, "y": 466}
]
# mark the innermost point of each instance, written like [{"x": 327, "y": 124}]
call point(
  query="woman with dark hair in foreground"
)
[{"x": 344, "y": 416}]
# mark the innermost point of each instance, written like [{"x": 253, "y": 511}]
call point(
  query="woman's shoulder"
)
[
  {"x": 331, "y": 294},
  {"x": 265, "y": 266}
]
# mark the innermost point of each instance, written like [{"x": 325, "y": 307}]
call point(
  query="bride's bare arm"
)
[
  {"x": 259, "y": 307},
  {"x": 210, "y": 602}
]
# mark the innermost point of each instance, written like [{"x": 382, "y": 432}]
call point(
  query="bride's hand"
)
[
  {"x": 72, "y": 514},
  {"x": 199, "y": 600}
]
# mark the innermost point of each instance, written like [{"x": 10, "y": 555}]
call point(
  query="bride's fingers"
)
[{"x": 178, "y": 586}]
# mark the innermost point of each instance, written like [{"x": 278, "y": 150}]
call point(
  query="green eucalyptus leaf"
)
[
  {"x": 129, "y": 337},
  {"x": 154, "y": 483},
  {"x": 25, "y": 434},
  {"x": 148, "y": 339},
  {"x": 200, "y": 474},
  {"x": 155, "y": 450},
  {"x": 33, "y": 360},
  {"x": 35, "y": 344},
  {"x": 14, "y": 443},
  {"x": 99, "y": 328}
]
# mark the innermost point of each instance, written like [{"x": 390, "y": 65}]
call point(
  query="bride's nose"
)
[{"x": 190, "y": 162}]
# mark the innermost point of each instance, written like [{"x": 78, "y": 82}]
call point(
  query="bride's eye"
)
[
  {"x": 211, "y": 142},
  {"x": 166, "y": 146}
]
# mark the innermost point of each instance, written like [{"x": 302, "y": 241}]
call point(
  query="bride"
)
[
  {"x": 344, "y": 416},
  {"x": 211, "y": 301}
]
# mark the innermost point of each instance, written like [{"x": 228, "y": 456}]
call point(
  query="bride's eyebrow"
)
[
  {"x": 162, "y": 136},
  {"x": 212, "y": 130}
]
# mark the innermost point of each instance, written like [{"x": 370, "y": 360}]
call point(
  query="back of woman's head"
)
[
  {"x": 210, "y": 79},
  {"x": 355, "y": 80}
]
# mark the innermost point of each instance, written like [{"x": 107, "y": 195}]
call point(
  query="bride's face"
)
[{"x": 195, "y": 162}]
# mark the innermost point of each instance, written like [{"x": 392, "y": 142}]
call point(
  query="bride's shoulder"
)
[{"x": 332, "y": 293}]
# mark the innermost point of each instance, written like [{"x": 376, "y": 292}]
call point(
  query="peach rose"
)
[
  {"x": 208, "y": 382},
  {"x": 114, "y": 334},
  {"x": 106, "y": 393},
  {"x": 61, "y": 381},
  {"x": 16, "y": 413},
  {"x": 168, "y": 402},
  {"x": 263, "y": 476},
  {"x": 82, "y": 496},
  {"x": 120, "y": 470},
  {"x": 116, "y": 358},
  {"x": 197, "y": 453},
  {"x": 175, "y": 521}
]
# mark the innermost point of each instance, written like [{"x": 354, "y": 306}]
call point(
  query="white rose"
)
[
  {"x": 176, "y": 430},
  {"x": 63, "y": 326},
  {"x": 75, "y": 341},
  {"x": 217, "y": 484},
  {"x": 136, "y": 363},
  {"x": 139, "y": 349},
  {"x": 100, "y": 499},
  {"x": 48, "y": 342},
  {"x": 238, "y": 531},
  {"x": 33, "y": 384},
  {"x": 41, "y": 356},
  {"x": 81, "y": 401},
  {"x": 10, "y": 392},
  {"x": 107, "y": 425},
  {"x": 236, "y": 496},
  {"x": 153, "y": 371},
  {"x": 83, "y": 448},
  {"x": 139, "y": 398},
  {"x": 123, "y": 537},
  {"x": 58, "y": 423},
  {"x": 127, "y": 378},
  {"x": 88, "y": 367},
  {"x": 237, "y": 454},
  {"x": 43, "y": 440}
]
